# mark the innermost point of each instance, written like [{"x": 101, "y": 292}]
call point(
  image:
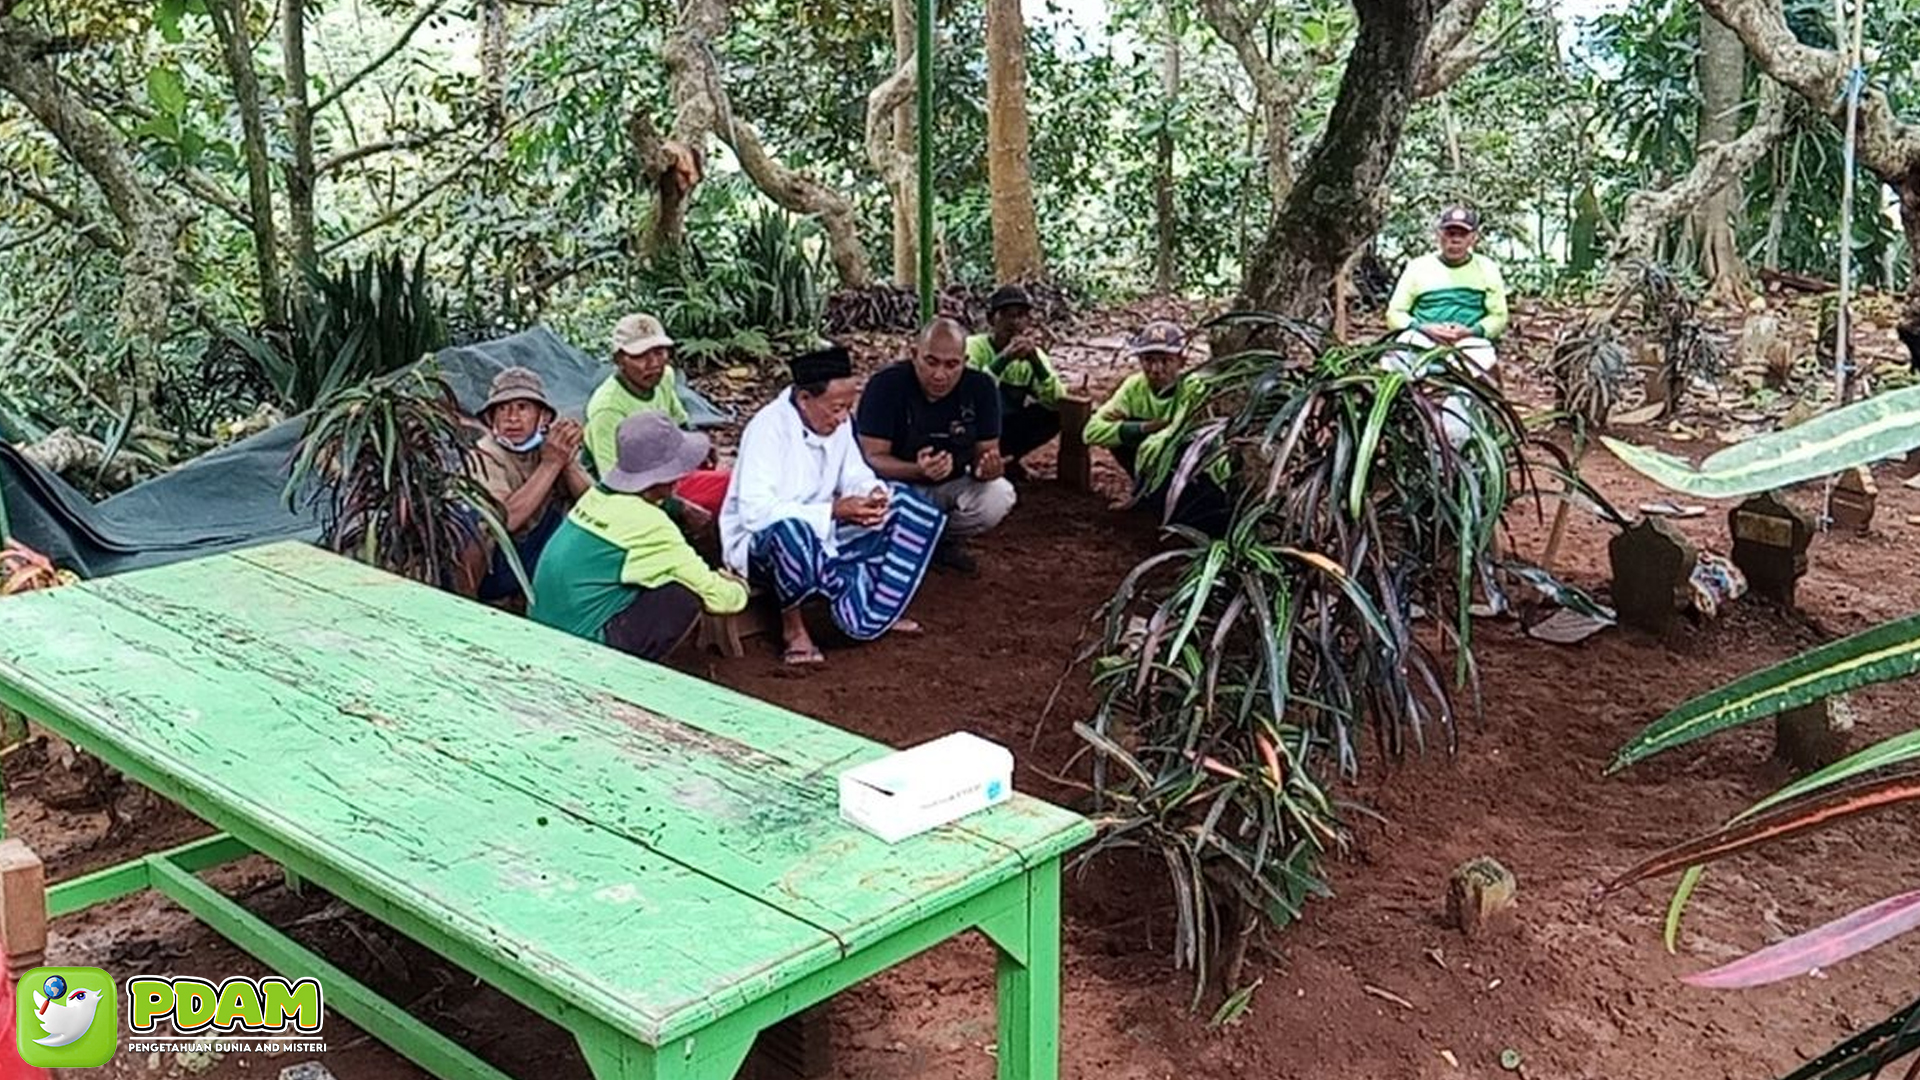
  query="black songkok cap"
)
[{"x": 821, "y": 365}]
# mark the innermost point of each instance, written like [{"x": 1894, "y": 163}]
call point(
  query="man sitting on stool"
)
[
  {"x": 1454, "y": 296},
  {"x": 1451, "y": 298},
  {"x": 619, "y": 571},
  {"x": 1030, "y": 390},
  {"x": 1134, "y": 423},
  {"x": 529, "y": 461},
  {"x": 934, "y": 423},
  {"x": 644, "y": 380}
]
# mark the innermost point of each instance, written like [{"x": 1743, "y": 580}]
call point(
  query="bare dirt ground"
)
[{"x": 1370, "y": 985}]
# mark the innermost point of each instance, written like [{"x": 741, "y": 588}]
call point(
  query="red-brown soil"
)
[{"x": 1370, "y": 985}]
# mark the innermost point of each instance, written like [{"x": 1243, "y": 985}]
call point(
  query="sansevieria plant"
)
[
  {"x": 387, "y": 463},
  {"x": 1237, "y": 678}
]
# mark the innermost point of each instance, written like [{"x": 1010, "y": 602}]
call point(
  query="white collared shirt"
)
[{"x": 785, "y": 470}]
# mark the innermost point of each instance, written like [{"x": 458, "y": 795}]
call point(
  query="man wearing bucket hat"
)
[
  {"x": 1137, "y": 423},
  {"x": 644, "y": 380},
  {"x": 529, "y": 461},
  {"x": 1030, "y": 389},
  {"x": 619, "y": 571},
  {"x": 1452, "y": 298}
]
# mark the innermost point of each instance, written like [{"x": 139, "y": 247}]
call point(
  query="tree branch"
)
[
  {"x": 91, "y": 231},
  {"x": 208, "y": 190},
  {"x": 411, "y": 142},
  {"x": 1887, "y": 146},
  {"x": 1714, "y": 166},
  {"x": 887, "y": 137},
  {"x": 406, "y": 35},
  {"x": 701, "y": 106},
  {"x": 1444, "y": 66},
  {"x": 30, "y": 239},
  {"x": 404, "y": 209},
  {"x": 149, "y": 226},
  {"x": 1450, "y": 50},
  {"x": 895, "y": 168},
  {"x": 1274, "y": 95},
  {"x": 42, "y": 321}
]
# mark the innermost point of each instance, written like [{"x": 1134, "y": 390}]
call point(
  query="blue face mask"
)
[{"x": 533, "y": 442}]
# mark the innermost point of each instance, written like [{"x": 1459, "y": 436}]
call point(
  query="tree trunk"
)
[
  {"x": 149, "y": 226},
  {"x": 236, "y": 41},
  {"x": 1784, "y": 168},
  {"x": 906, "y": 195},
  {"x": 1336, "y": 204},
  {"x": 493, "y": 63},
  {"x": 1723, "y": 78},
  {"x": 897, "y": 168},
  {"x": 1909, "y": 325},
  {"x": 1644, "y": 221},
  {"x": 702, "y": 107},
  {"x": 1888, "y": 147},
  {"x": 1016, "y": 232},
  {"x": 1163, "y": 269},
  {"x": 293, "y": 44},
  {"x": 1275, "y": 94}
]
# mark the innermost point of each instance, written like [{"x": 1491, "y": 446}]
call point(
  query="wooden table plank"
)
[
  {"x": 740, "y": 814},
  {"x": 1036, "y": 829},
  {"x": 587, "y": 913}
]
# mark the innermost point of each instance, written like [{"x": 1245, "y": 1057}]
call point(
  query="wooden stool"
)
[
  {"x": 1075, "y": 463},
  {"x": 23, "y": 906},
  {"x": 727, "y": 633}
]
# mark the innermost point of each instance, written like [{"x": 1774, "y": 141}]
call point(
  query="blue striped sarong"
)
[{"x": 869, "y": 582}]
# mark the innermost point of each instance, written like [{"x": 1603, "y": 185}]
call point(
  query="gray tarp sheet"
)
[{"x": 231, "y": 498}]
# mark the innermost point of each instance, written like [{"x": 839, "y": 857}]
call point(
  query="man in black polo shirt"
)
[{"x": 933, "y": 422}]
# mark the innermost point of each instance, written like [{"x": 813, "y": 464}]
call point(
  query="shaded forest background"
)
[{"x": 182, "y": 179}]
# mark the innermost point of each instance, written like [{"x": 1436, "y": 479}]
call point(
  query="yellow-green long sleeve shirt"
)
[
  {"x": 609, "y": 545},
  {"x": 1429, "y": 292},
  {"x": 612, "y": 402},
  {"x": 1036, "y": 376}
]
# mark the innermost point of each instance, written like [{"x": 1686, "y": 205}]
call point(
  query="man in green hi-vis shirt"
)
[
  {"x": 1452, "y": 298},
  {"x": 1030, "y": 389},
  {"x": 1136, "y": 424},
  {"x": 644, "y": 380}
]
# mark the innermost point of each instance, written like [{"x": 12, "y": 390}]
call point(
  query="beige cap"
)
[{"x": 636, "y": 334}]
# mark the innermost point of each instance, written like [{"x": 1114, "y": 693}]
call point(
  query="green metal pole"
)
[{"x": 923, "y": 57}]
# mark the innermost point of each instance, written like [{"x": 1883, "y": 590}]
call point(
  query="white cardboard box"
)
[{"x": 916, "y": 789}]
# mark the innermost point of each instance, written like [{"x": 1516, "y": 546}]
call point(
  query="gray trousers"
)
[{"x": 972, "y": 506}]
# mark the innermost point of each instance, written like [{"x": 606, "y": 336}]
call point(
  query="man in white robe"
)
[{"x": 806, "y": 517}]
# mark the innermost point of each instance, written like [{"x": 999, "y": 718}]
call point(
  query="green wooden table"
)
[{"x": 653, "y": 862}]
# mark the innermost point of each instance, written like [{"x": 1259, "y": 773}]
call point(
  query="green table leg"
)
[
  {"x": 714, "y": 1053},
  {"x": 1030, "y": 984}
]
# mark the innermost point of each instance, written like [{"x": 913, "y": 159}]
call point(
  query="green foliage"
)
[
  {"x": 1512, "y": 138},
  {"x": 360, "y": 322},
  {"x": 386, "y": 462},
  {"x": 1233, "y": 674},
  {"x": 1839, "y": 792},
  {"x": 745, "y": 301}
]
